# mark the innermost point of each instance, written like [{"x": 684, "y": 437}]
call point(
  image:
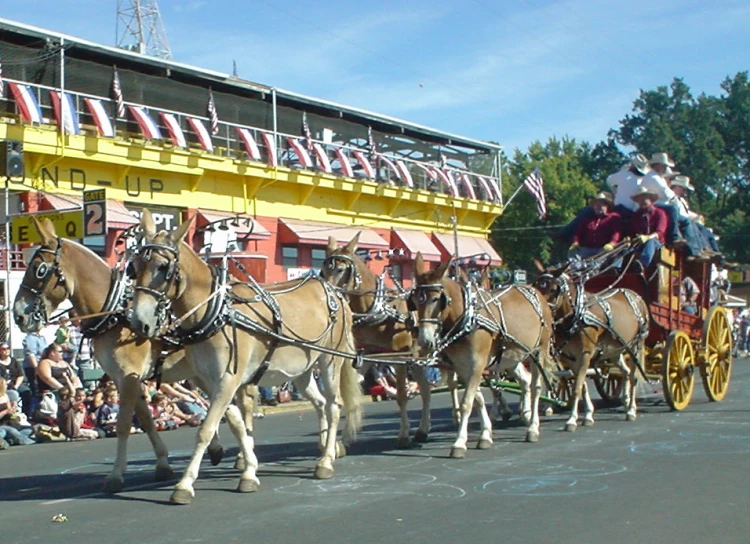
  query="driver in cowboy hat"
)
[
  {"x": 648, "y": 224},
  {"x": 599, "y": 232},
  {"x": 626, "y": 181}
]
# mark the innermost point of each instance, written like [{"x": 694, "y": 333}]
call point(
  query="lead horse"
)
[
  {"x": 475, "y": 329},
  {"x": 238, "y": 333},
  {"x": 67, "y": 270}
]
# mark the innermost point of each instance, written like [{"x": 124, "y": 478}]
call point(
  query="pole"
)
[
  {"x": 455, "y": 243},
  {"x": 513, "y": 195},
  {"x": 6, "y": 263}
]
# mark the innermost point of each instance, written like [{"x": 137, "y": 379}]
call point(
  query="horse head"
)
[
  {"x": 44, "y": 285},
  {"x": 157, "y": 274},
  {"x": 340, "y": 267},
  {"x": 552, "y": 282},
  {"x": 430, "y": 299}
]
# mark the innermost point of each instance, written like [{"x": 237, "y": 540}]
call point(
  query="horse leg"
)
[
  {"x": 245, "y": 400},
  {"x": 307, "y": 387},
  {"x": 472, "y": 384},
  {"x": 580, "y": 377},
  {"x": 632, "y": 412},
  {"x": 523, "y": 377},
  {"x": 588, "y": 415},
  {"x": 249, "y": 481},
  {"x": 532, "y": 431},
  {"x": 220, "y": 398},
  {"x": 402, "y": 399},
  {"x": 330, "y": 373},
  {"x": 485, "y": 436},
  {"x": 425, "y": 392},
  {"x": 452, "y": 381},
  {"x": 163, "y": 471}
]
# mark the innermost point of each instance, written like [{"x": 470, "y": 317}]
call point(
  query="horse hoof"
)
[
  {"x": 532, "y": 437},
  {"x": 239, "y": 464},
  {"x": 629, "y": 417},
  {"x": 570, "y": 427},
  {"x": 458, "y": 453},
  {"x": 163, "y": 474},
  {"x": 403, "y": 443},
  {"x": 323, "y": 473},
  {"x": 340, "y": 449},
  {"x": 484, "y": 444},
  {"x": 420, "y": 436},
  {"x": 113, "y": 485},
  {"x": 216, "y": 455},
  {"x": 248, "y": 486},
  {"x": 181, "y": 496},
  {"x": 588, "y": 422}
]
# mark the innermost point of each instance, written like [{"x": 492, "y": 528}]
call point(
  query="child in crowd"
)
[
  {"x": 71, "y": 415},
  {"x": 14, "y": 430},
  {"x": 163, "y": 420},
  {"x": 107, "y": 417}
]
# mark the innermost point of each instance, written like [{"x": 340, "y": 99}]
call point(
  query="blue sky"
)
[{"x": 512, "y": 71}]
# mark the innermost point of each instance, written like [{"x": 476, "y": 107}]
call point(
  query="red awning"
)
[
  {"x": 414, "y": 241},
  {"x": 118, "y": 216},
  {"x": 242, "y": 224},
  {"x": 295, "y": 231},
  {"x": 468, "y": 246}
]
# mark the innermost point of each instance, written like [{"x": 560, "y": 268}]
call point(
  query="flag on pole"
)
[
  {"x": 535, "y": 185},
  {"x": 306, "y": 131},
  {"x": 213, "y": 116},
  {"x": 117, "y": 93}
]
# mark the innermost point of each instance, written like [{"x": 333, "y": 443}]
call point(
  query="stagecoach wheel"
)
[
  {"x": 717, "y": 362},
  {"x": 678, "y": 370},
  {"x": 609, "y": 384},
  {"x": 564, "y": 392}
]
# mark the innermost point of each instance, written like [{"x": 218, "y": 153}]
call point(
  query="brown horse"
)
[
  {"x": 237, "y": 333},
  {"x": 382, "y": 324},
  {"x": 67, "y": 270},
  {"x": 594, "y": 328},
  {"x": 475, "y": 329}
]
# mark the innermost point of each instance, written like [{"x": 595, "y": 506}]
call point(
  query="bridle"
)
[
  {"x": 45, "y": 273},
  {"x": 172, "y": 276},
  {"x": 353, "y": 276},
  {"x": 421, "y": 293},
  {"x": 577, "y": 302}
]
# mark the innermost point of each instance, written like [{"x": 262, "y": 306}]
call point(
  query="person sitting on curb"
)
[
  {"x": 598, "y": 233},
  {"x": 648, "y": 224}
]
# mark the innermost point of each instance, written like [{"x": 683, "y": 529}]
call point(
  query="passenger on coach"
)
[
  {"x": 648, "y": 224},
  {"x": 681, "y": 186},
  {"x": 569, "y": 230},
  {"x": 626, "y": 182},
  {"x": 599, "y": 232}
]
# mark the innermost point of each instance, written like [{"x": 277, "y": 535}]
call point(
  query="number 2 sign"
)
[{"x": 94, "y": 213}]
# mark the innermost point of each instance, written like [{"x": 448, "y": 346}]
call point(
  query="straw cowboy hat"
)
[
  {"x": 604, "y": 197},
  {"x": 669, "y": 173},
  {"x": 682, "y": 181},
  {"x": 640, "y": 163},
  {"x": 661, "y": 158},
  {"x": 643, "y": 191}
]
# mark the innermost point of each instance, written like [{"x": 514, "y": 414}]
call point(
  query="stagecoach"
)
[{"x": 679, "y": 345}]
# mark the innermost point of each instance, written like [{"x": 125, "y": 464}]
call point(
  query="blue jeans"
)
[
  {"x": 16, "y": 437},
  {"x": 192, "y": 408},
  {"x": 266, "y": 392},
  {"x": 649, "y": 250},
  {"x": 708, "y": 237},
  {"x": 432, "y": 373},
  {"x": 673, "y": 229},
  {"x": 692, "y": 236}
]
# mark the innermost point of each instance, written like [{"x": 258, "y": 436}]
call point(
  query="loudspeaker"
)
[{"x": 11, "y": 159}]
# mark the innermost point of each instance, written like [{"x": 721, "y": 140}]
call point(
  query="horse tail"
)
[{"x": 351, "y": 393}]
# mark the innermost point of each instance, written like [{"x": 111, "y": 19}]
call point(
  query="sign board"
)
[
  {"x": 164, "y": 218},
  {"x": 294, "y": 273},
  {"x": 68, "y": 224},
  {"x": 95, "y": 212}
]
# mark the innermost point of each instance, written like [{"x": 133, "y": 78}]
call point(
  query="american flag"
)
[
  {"x": 535, "y": 185},
  {"x": 117, "y": 93},
  {"x": 306, "y": 131},
  {"x": 213, "y": 116}
]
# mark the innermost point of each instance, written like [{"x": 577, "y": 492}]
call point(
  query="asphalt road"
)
[{"x": 668, "y": 477}]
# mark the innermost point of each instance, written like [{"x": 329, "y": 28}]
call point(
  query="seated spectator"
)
[
  {"x": 106, "y": 418},
  {"x": 379, "y": 382},
  {"x": 164, "y": 408},
  {"x": 188, "y": 401},
  {"x": 599, "y": 232},
  {"x": 12, "y": 431},
  {"x": 163, "y": 420},
  {"x": 648, "y": 224},
  {"x": 71, "y": 415},
  {"x": 689, "y": 292},
  {"x": 12, "y": 371},
  {"x": 63, "y": 339},
  {"x": 54, "y": 372}
]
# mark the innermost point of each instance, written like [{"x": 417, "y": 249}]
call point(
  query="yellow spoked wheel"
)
[
  {"x": 609, "y": 385},
  {"x": 678, "y": 370},
  {"x": 717, "y": 360}
]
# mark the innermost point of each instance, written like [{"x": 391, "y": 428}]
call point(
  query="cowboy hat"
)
[
  {"x": 640, "y": 163},
  {"x": 682, "y": 181},
  {"x": 669, "y": 173},
  {"x": 661, "y": 158},
  {"x": 643, "y": 191},
  {"x": 603, "y": 196}
]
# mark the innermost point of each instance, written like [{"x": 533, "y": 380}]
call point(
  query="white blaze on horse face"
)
[{"x": 427, "y": 335}]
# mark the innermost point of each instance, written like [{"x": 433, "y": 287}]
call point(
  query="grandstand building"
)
[{"x": 268, "y": 174}]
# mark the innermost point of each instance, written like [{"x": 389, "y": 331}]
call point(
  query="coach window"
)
[
  {"x": 317, "y": 256},
  {"x": 289, "y": 257}
]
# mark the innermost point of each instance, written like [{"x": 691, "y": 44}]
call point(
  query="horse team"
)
[{"x": 229, "y": 335}]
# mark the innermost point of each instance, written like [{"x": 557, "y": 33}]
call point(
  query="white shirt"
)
[
  {"x": 624, "y": 184},
  {"x": 659, "y": 185}
]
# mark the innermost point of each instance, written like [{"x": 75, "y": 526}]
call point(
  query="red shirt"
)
[
  {"x": 599, "y": 230},
  {"x": 650, "y": 220}
]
